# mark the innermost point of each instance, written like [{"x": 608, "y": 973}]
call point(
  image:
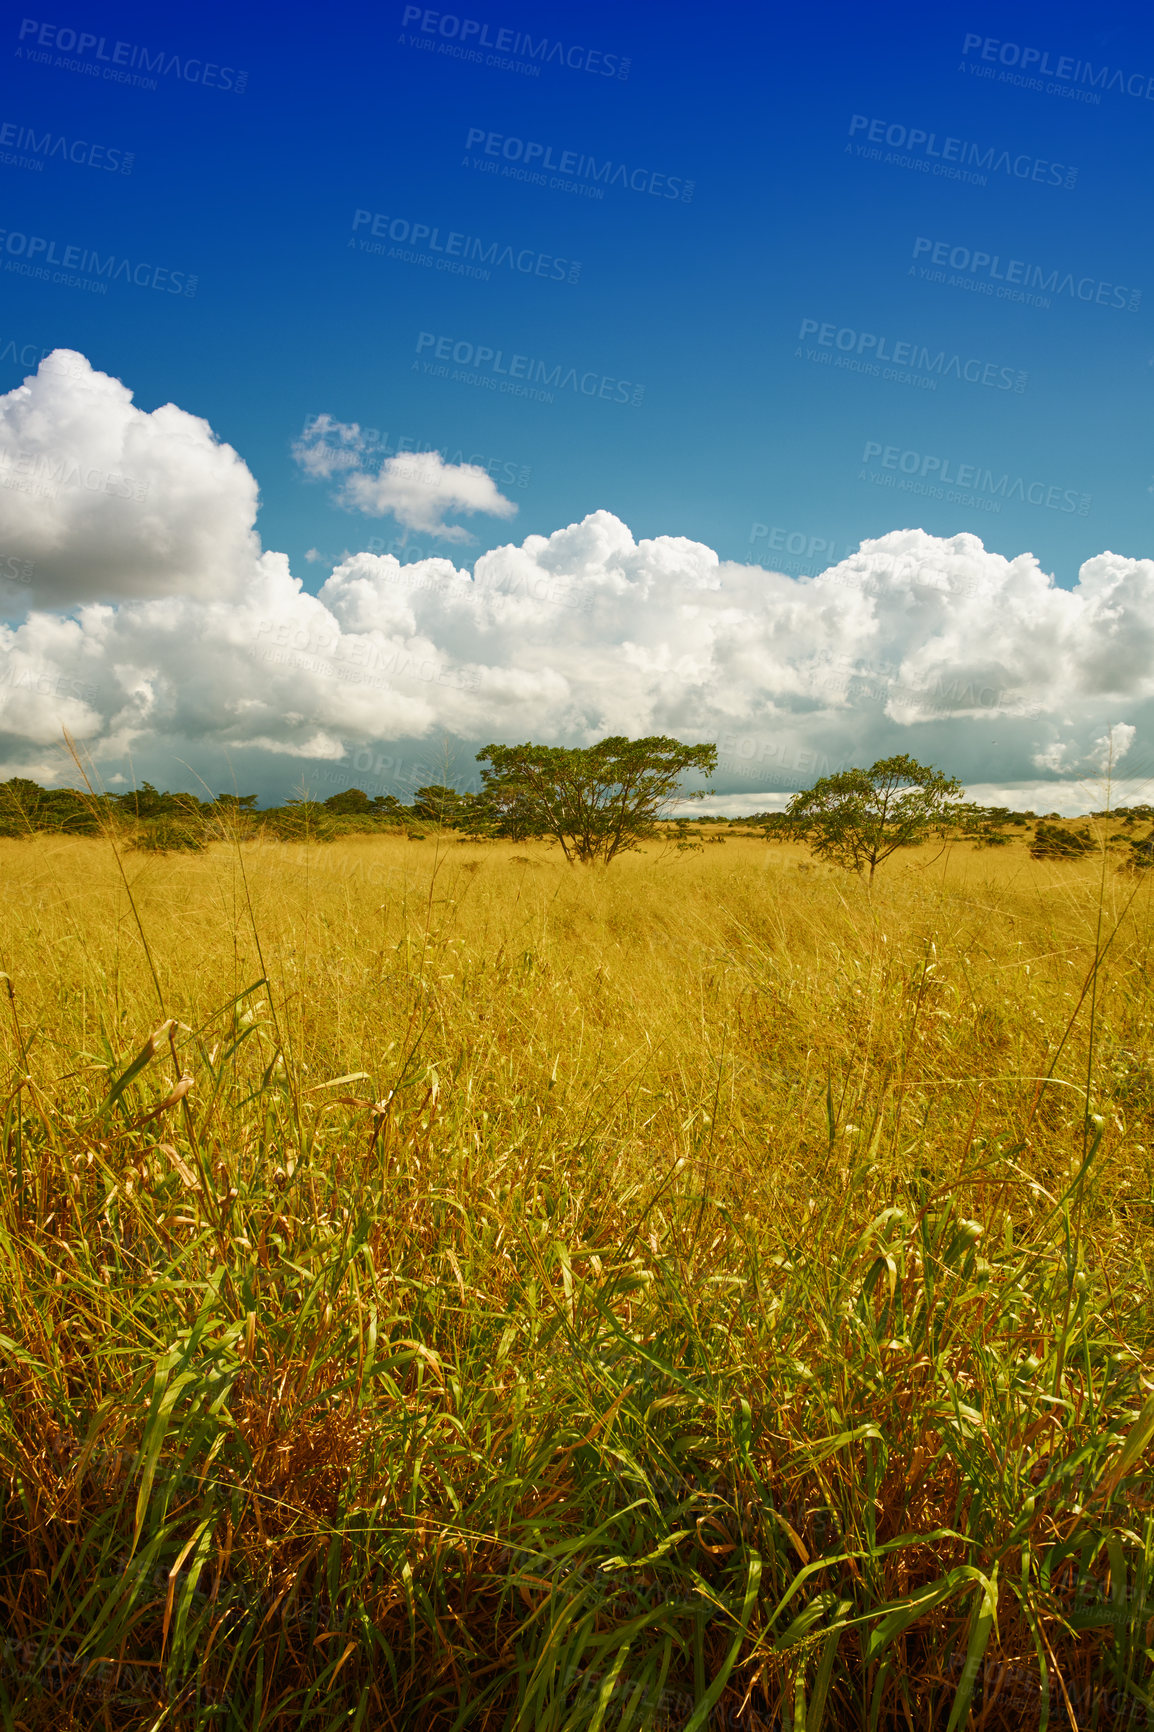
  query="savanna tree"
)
[
  {"x": 858, "y": 818},
  {"x": 596, "y": 801}
]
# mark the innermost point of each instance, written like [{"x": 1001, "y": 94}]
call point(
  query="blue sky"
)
[{"x": 800, "y": 202}]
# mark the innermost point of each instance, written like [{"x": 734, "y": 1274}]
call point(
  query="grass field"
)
[{"x": 698, "y": 1293}]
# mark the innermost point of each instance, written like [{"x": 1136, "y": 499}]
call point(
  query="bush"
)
[
  {"x": 353, "y": 803},
  {"x": 300, "y": 821},
  {"x": 778, "y": 827},
  {"x": 1052, "y": 843},
  {"x": 361, "y": 825},
  {"x": 168, "y": 836},
  {"x": 26, "y": 807},
  {"x": 1141, "y": 854}
]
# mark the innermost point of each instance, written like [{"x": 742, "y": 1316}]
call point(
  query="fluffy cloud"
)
[
  {"x": 421, "y": 489},
  {"x": 914, "y": 643},
  {"x": 1108, "y": 752},
  {"x": 418, "y": 488},
  {"x": 107, "y": 502},
  {"x": 328, "y": 447}
]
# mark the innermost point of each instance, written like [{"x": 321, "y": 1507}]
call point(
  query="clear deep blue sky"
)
[{"x": 749, "y": 436}]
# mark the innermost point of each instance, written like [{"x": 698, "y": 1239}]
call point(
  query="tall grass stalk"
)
[{"x": 696, "y": 1294}]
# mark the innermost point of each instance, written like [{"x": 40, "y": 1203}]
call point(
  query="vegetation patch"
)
[{"x": 697, "y": 1293}]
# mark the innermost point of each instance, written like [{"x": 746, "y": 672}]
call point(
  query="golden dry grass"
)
[{"x": 692, "y": 1223}]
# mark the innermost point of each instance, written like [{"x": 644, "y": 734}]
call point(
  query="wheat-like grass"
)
[{"x": 695, "y": 1293}]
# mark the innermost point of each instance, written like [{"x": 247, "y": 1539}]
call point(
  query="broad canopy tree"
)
[
  {"x": 858, "y": 818},
  {"x": 596, "y": 801}
]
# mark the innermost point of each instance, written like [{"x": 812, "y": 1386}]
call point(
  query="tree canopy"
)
[
  {"x": 596, "y": 801},
  {"x": 438, "y": 804},
  {"x": 858, "y": 818}
]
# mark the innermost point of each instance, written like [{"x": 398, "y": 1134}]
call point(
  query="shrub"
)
[
  {"x": 1053, "y": 843},
  {"x": 352, "y": 803},
  {"x": 1141, "y": 854},
  {"x": 300, "y": 821},
  {"x": 169, "y": 836}
]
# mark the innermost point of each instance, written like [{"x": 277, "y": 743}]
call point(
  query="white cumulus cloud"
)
[
  {"x": 183, "y": 639},
  {"x": 328, "y": 447},
  {"x": 419, "y": 489},
  {"x": 106, "y": 501},
  {"x": 1108, "y": 751}
]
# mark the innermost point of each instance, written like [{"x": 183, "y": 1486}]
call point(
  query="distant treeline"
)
[
  {"x": 167, "y": 820},
  {"x": 154, "y": 821},
  {"x": 1053, "y": 837},
  {"x": 151, "y": 819}
]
